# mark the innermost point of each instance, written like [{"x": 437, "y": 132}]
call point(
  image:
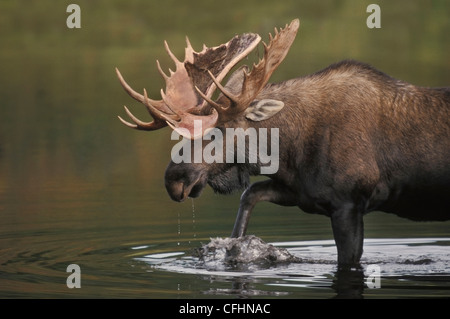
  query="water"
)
[
  {"x": 148, "y": 260},
  {"x": 77, "y": 187},
  {"x": 405, "y": 265}
]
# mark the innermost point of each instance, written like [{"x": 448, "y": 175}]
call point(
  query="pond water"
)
[{"x": 77, "y": 187}]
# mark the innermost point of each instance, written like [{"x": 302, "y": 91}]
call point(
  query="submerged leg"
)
[
  {"x": 348, "y": 230},
  {"x": 257, "y": 192}
]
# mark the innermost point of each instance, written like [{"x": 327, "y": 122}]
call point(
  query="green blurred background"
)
[
  {"x": 68, "y": 166},
  {"x": 59, "y": 93}
]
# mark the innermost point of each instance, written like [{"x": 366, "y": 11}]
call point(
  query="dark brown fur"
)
[{"x": 352, "y": 140}]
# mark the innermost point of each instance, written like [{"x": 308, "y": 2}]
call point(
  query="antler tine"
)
[
  {"x": 217, "y": 106},
  {"x": 155, "y": 111},
  {"x": 188, "y": 43},
  {"x": 225, "y": 92},
  {"x": 172, "y": 56},
  {"x": 130, "y": 91},
  {"x": 125, "y": 122},
  {"x": 134, "y": 118},
  {"x": 135, "y": 95},
  {"x": 189, "y": 51},
  {"x": 163, "y": 74},
  {"x": 140, "y": 125},
  {"x": 167, "y": 102}
]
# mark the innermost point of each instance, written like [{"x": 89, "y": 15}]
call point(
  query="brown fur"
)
[{"x": 352, "y": 140}]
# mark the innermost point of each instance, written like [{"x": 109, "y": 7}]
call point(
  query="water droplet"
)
[
  {"x": 193, "y": 218},
  {"x": 179, "y": 229}
]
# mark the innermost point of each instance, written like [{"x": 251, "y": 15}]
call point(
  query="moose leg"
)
[
  {"x": 348, "y": 230},
  {"x": 260, "y": 191}
]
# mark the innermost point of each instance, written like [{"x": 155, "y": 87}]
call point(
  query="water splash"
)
[{"x": 241, "y": 253}]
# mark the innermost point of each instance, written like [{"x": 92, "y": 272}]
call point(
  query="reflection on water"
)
[
  {"x": 407, "y": 264},
  {"x": 78, "y": 187},
  {"x": 136, "y": 263},
  {"x": 403, "y": 265}
]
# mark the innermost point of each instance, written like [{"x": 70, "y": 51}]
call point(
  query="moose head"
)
[{"x": 188, "y": 107}]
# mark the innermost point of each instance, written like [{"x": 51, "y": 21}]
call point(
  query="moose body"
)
[{"x": 351, "y": 140}]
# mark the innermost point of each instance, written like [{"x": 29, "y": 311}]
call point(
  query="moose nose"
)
[{"x": 176, "y": 191}]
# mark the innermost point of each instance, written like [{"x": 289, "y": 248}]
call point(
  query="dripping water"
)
[
  {"x": 193, "y": 220},
  {"x": 179, "y": 229},
  {"x": 194, "y": 231}
]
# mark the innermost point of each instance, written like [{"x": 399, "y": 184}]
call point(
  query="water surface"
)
[{"x": 77, "y": 187}]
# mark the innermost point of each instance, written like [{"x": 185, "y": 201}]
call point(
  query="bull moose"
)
[{"x": 351, "y": 139}]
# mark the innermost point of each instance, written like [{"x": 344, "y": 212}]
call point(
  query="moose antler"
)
[
  {"x": 180, "y": 96},
  {"x": 189, "y": 90},
  {"x": 230, "y": 104},
  {"x": 181, "y": 104},
  {"x": 157, "y": 109}
]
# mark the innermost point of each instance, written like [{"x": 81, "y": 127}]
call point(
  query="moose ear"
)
[{"x": 260, "y": 110}]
